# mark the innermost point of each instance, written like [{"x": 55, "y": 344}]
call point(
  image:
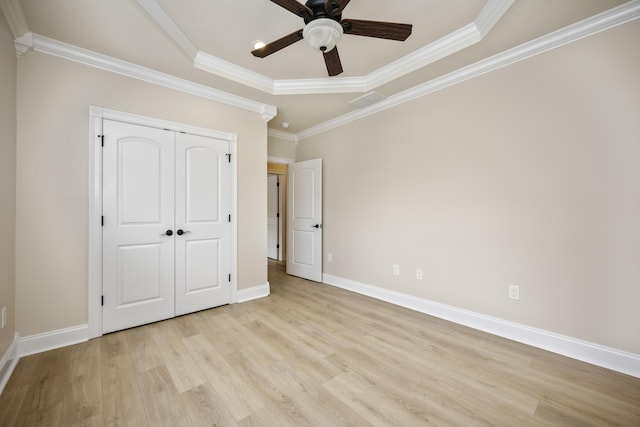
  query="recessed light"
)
[
  {"x": 258, "y": 44},
  {"x": 285, "y": 125}
]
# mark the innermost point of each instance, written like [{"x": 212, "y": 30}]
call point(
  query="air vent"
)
[{"x": 367, "y": 100}]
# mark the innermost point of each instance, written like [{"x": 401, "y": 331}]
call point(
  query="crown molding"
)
[
  {"x": 285, "y": 136},
  {"x": 13, "y": 13},
  {"x": 445, "y": 46},
  {"x": 231, "y": 71},
  {"x": 448, "y": 45},
  {"x": 23, "y": 44},
  {"x": 159, "y": 15},
  {"x": 612, "y": 18},
  {"x": 108, "y": 63},
  {"x": 490, "y": 15}
]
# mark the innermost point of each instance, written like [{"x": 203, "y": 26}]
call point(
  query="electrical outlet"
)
[
  {"x": 4, "y": 316},
  {"x": 514, "y": 292},
  {"x": 329, "y": 257},
  {"x": 419, "y": 274},
  {"x": 396, "y": 270}
]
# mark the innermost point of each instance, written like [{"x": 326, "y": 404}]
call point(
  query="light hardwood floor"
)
[{"x": 313, "y": 355}]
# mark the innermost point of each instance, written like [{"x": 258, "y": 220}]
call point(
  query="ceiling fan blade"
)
[
  {"x": 381, "y": 30},
  {"x": 335, "y": 7},
  {"x": 296, "y": 7},
  {"x": 342, "y": 3},
  {"x": 275, "y": 46},
  {"x": 332, "y": 61}
]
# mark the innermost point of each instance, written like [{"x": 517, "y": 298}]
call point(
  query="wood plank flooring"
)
[{"x": 312, "y": 355}]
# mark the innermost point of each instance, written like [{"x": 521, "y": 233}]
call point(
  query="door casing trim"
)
[{"x": 94, "y": 277}]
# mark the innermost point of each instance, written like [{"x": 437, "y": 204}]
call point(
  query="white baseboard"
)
[
  {"x": 51, "y": 340},
  {"x": 63, "y": 337},
  {"x": 256, "y": 292},
  {"x": 617, "y": 360},
  {"x": 8, "y": 363}
]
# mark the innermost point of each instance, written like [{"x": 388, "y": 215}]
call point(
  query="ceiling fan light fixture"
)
[{"x": 322, "y": 34}]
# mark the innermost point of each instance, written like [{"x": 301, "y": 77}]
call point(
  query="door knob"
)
[
  {"x": 317, "y": 226},
  {"x": 168, "y": 233},
  {"x": 181, "y": 232}
]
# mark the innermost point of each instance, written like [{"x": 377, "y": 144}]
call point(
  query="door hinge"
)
[
  {"x": 102, "y": 300},
  {"x": 278, "y": 215},
  {"x": 229, "y": 217},
  {"x": 101, "y": 140},
  {"x": 229, "y": 156},
  {"x": 229, "y": 277},
  {"x": 102, "y": 220},
  {"x": 277, "y": 246},
  {"x": 278, "y": 184}
]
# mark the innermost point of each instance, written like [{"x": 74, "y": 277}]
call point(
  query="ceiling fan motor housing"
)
[
  {"x": 323, "y": 30},
  {"x": 323, "y": 9},
  {"x": 322, "y": 34}
]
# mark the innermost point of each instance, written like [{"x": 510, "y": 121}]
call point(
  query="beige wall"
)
[
  {"x": 280, "y": 148},
  {"x": 54, "y": 96},
  {"x": 529, "y": 175},
  {"x": 7, "y": 181}
]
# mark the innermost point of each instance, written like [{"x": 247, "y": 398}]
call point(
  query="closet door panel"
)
[
  {"x": 203, "y": 263},
  {"x": 138, "y": 208}
]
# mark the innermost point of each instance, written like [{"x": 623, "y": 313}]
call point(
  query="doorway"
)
[
  {"x": 276, "y": 210},
  {"x": 274, "y": 218}
]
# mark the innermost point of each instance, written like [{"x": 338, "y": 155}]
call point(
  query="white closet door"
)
[
  {"x": 203, "y": 230},
  {"x": 138, "y": 208}
]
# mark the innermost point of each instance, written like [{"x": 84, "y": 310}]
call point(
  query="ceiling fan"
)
[{"x": 324, "y": 26}]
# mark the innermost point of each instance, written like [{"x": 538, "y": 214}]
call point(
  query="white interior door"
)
[
  {"x": 273, "y": 216},
  {"x": 138, "y": 208},
  {"x": 167, "y": 229},
  {"x": 304, "y": 236},
  {"x": 203, "y": 229}
]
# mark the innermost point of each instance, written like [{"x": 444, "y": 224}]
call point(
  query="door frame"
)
[
  {"x": 279, "y": 217},
  {"x": 284, "y": 200},
  {"x": 96, "y": 115}
]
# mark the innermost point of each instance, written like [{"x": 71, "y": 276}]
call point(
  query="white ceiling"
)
[{"x": 209, "y": 42}]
